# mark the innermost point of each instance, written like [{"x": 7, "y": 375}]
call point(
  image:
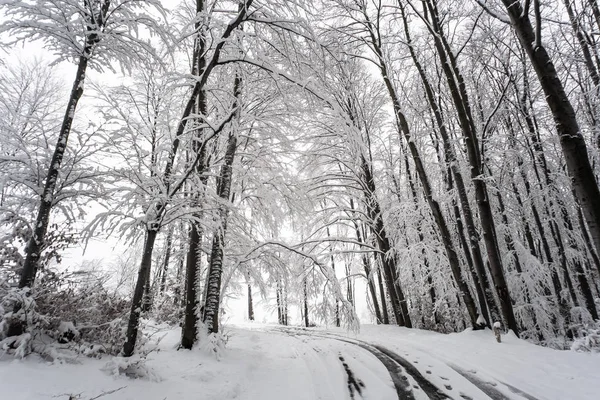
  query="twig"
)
[{"x": 107, "y": 393}]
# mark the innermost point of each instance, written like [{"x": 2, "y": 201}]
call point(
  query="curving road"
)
[{"x": 409, "y": 379}]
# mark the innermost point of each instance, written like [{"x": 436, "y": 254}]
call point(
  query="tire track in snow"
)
[
  {"x": 397, "y": 367},
  {"x": 488, "y": 387},
  {"x": 355, "y": 385}
]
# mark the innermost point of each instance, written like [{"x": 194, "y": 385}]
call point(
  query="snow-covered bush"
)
[
  {"x": 18, "y": 320},
  {"x": 167, "y": 311},
  {"x": 133, "y": 367},
  {"x": 589, "y": 340},
  {"x": 74, "y": 310},
  {"x": 213, "y": 343},
  {"x": 82, "y": 310}
]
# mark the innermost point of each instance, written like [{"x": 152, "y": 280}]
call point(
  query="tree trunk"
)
[
  {"x": 36, "y": 244},
  {"x": 367, "y": 269},
  {"x": 189, "y": 330},
  {"x": 337, "y": 301},
  {"x": 147, "y": 297},
  {"x": 215, "y": 269},
  {"x": 213, "y": 286},
  {"x": 278, "y": 297},
  {"x": 305, "y": 304},
  {"x": 586, "y": 238},
  {"x": 250, "y": 304},
  {"x": 167, "y": 260},
  {"x": 136, "y": 303},
  {"x": 177, "y": 291},
  {"x": 384, "y": 310}
]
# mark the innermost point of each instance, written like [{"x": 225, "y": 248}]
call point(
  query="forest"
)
[{"x": 441, "y": 156}]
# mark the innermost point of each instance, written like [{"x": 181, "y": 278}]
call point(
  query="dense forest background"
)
[{"x": 445, "y": 153}]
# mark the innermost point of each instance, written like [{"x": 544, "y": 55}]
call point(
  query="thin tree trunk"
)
[
  {"x": 413, "y": 191},
  {"x": 136, "y": 303},
  {"x": 189, "y": 330},
  {"x": 305, "y": 303},
  {"x": 213, "y": 293},
  {"x": 177, "y": 291},
  {"x": 250, "y": 303},
  {"x": 580, "y": 274},
  {"x": 384, "y": 310},
  {"x": 367, "y": 269},
  {"x": 167, "y": 260},
  {"x": 337, "y": 301},
  {"x": 285, "y": 304},
  {"x": 278, "y": 296},
  {"x": 213, "y": 286},
  {"x": 36, "y": 244},
  {"x": 387, "y": 262},
  {"x": 147, "y": 297},
  {"x": 586, "y": 238}
]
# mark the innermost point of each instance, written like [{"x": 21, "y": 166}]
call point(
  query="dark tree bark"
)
[
  {"x": 213, "y": 288},
  {"x": 588, "y": 242},
  {"x": 337, "y": 301},
  {"x": 177, "y": 300},
  {"x": 250, "y": 302},
  {"x": 147, "y": 296},
  {"x": 166, "y": 261},
  {"x": 189, "y": 329},
  {"x": 413, "y": 191},
  {"x": 136, "y": 303},
  {"x": 388, "y": 262},
  {"x": 285, "y": 306},
  {"x": 367, "y": 269},
  {"x": 215, "y": 272},
  {"x": 279, "y": 299},
  {"x": 384, "y": 310},
  {"x": 305, "y": 303}
]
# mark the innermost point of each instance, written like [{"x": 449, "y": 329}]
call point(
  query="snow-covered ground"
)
[{"x": 269, "y": 362}]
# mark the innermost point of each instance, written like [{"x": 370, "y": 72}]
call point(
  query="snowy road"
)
[
  {"x": 403, "y": 376},
  {"x": 270, "y": 362}
]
